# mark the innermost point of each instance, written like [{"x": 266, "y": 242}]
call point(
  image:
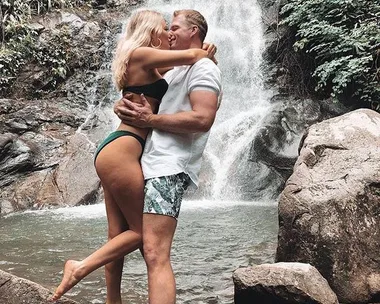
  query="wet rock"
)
[
  {"x": 50, "y": 125},
  {"x": 76, "y": 177},
  {"x": 31, "y": 155},
  {"x": 293, "y": 111},
  {"x": 16, "y": 158},
  {"x": 282, "y": 283},
  {"x": 15, "y": 290},
  {"x": 68, "y": 181},
  {"x": 276, "y": 143},
  {"x": 329, "y": 211}
]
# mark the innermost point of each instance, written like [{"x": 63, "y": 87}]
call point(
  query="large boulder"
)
[
  {"x": 15, "y": 290},
  {"x": 69, "y": 180},
  {"x": 43, "y": 160},
  {"x": 282, "y": 283},
  {"x": 329, "y": 211}
]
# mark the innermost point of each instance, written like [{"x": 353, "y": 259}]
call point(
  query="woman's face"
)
[{"x": 164, "y": 37}]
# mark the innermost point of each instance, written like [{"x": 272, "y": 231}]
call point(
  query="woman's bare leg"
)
[
  {"x": 128, "y": 196},
  {"x": 117, "y": 224},
  {"x": 121, "y": 175}
]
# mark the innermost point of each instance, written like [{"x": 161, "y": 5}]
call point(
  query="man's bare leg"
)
[{"x": 158, "y": 232}]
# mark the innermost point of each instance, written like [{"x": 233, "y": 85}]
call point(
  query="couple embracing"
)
[{"x": 146, "y": 165}]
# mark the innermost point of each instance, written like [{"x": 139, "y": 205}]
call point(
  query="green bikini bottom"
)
[{"x": 116, "y": 134}]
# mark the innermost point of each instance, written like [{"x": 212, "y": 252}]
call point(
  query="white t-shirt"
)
[{"x": 172, "y": 153}]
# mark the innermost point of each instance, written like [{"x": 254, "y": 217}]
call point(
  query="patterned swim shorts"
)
[{"x": 163, "y": 195}]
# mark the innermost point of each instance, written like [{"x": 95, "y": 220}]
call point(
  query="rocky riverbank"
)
[
  {"x": 44, "y": 159},
  {"x": 328, "y": 222},
  {"x": 276, "y": 144},
  {"x": 328, "y": 217}
]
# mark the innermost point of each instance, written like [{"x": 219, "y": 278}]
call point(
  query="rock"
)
[
  {"x": 17, "y": 157},
  {"x": 69, "y": 181},
  {"x": 275, "y": 145},
  {"x": 37, "y": 27},
  {"x": 36, "y": 190},
  {"x": 282, "y": 283},
  {"x": 116, "y": 3},
  {"x": 329, "y": 211},
  {"x": 35, "y": 160},
  {"x": 15, "y": 290},
  {"x": 72, "y": 20},
  {"x": 6, "y": 141},
  {"x": 76, "y": 178},
  {"x": 50, "y": 124}
]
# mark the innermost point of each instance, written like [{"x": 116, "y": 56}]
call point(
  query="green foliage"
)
[
  {"x": 343, "y": 38},
  {"x": 19, "y": 42}
]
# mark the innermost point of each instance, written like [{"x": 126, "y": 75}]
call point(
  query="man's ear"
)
[{"x": 194, "y": 30}]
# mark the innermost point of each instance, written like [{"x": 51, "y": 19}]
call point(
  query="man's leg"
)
[
  {"x": 158, "y": 232},
  {"x": 162, "y": 202}
]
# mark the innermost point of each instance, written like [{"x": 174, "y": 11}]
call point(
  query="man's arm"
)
[{"x": 200, "y": 119}]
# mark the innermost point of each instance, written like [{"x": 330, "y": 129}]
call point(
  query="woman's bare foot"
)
[{"x": 69, "y": 280}]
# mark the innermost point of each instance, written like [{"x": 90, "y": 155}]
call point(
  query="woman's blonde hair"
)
[{"x": 140, "y": 30}]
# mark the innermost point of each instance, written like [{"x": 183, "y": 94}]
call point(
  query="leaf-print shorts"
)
[{"x": 163, "y": 195}]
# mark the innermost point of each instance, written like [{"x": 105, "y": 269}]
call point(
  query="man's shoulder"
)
[
  {"x": 205, "y": 66},
  {"x": 205, "y": 63}
]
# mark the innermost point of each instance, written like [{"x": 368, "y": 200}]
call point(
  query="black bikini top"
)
[{"x": 155, "y": 90}]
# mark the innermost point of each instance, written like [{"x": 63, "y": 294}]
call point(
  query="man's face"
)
[{"x": 180, "y": 33}]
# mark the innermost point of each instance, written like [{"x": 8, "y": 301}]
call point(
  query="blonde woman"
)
[{"x": 142, "y": 50}]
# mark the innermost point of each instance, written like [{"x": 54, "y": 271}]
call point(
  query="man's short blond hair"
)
[{"x": 194, "y": 17}]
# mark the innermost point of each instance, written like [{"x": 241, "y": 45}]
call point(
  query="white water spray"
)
[{"x": 236, "y": 28}]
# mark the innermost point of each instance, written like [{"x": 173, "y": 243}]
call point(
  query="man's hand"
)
[{"x": 133, "y": 113}]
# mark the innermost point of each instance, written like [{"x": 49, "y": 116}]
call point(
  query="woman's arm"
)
[
  {"x": 151, "y": 58},
  {"x": 163, "y": 71}
]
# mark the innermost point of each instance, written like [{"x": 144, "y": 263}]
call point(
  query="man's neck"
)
[{"x": 195, "y": 45}]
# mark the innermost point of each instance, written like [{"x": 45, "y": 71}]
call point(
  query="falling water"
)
[
  {"x": 101, "y": 95},
  {"x": 236, "y": 28},
  {"x": 210, "y": 242}
]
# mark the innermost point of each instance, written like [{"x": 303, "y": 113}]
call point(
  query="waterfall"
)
[
  {"x": 228, "y": 170},
  {"x": 101, "y": 94},
  {"x": 236, "y": 28}
]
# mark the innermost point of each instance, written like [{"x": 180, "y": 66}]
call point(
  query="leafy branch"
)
[
  {"x": 343, "y": 38},
  {"x": 19, "y": 42}
]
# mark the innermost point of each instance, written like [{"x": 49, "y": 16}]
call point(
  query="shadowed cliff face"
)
[
  {"x": 50, "y": 126},
  {"x": 277, "y": 142}
]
